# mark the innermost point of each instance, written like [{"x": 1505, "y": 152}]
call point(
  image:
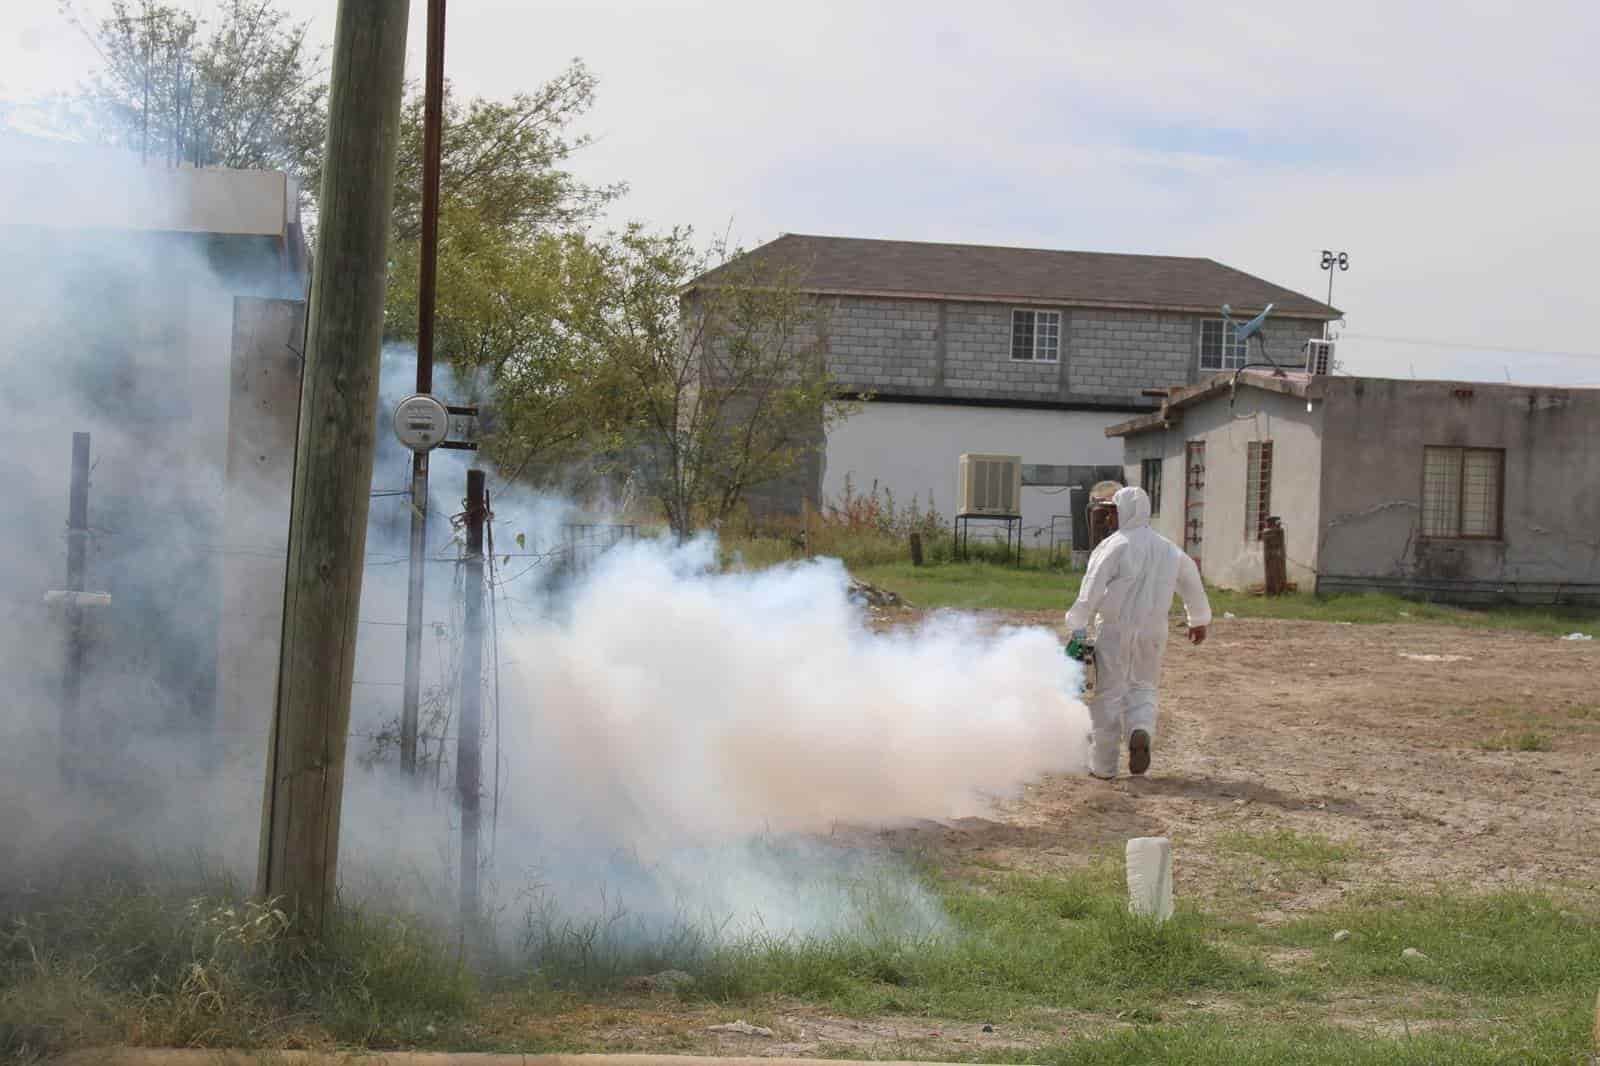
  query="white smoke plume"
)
[
  {"x": 674, "y": 703},
  {"x": 679, "y": 745},
  {"x": 668, "y": 740}
]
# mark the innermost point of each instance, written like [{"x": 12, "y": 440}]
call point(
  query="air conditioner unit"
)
[
  {"x": 1319, "y": 357},
  {"x": 990, "y": 484}
]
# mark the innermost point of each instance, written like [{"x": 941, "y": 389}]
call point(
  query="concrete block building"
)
[
  {"x": 966, "y": 348},
  {"x": 1452, "y": 491}
]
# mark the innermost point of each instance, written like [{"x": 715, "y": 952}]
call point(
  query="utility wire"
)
[{"x": 1498, "y": 348}]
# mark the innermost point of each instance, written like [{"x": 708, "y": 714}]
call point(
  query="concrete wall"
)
[
  {"x": 913, "y": 450},
  {"x": 1167, "y": 446},
  {"x": 1227, "y": 558},
  {"x": 1372, "y": 489},
  {"x": 263, "y": 406},
  {"x": 1119, "y": 353},
  {"x": 978, "y": 359},
  {"x": 889, "y": 344},
  {"x": 963, "y": 350}
]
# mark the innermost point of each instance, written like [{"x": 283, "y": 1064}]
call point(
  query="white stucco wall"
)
[
  {"x": 913, "y": 450},
  {"x": 1227, "y": 558}
]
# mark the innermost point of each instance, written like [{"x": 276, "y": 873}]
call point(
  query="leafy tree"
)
[
  {"x": 722, "y": 373},
  {"x": 512, "y": 268},
  {"x": 243, "y": 89},
  {"x": 503, "y": 160},
  {"x": 503, "y": 311}
]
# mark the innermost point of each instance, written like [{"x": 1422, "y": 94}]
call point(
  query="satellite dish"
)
[
  {"x": 1242, "y": 335},
  {"x": 1103, "y": 491},
  {"x": 1251, "y": 327}
]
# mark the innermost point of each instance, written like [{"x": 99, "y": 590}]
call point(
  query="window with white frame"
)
[
  {"x": 1036, "y": 336},
  {"x": 1219, "y": 348},
  {"x": 1463, "y": 492}
]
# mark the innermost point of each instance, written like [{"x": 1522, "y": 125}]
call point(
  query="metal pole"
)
[
  {"x": 469, "y": 757},
  {"x": 1330, "y": 301},
  {"x": 432, "y": 129},
  {"x": 77, "y": 557},
  {"x": 410, "y": 707},
  {"x": 432, "y": 124}
]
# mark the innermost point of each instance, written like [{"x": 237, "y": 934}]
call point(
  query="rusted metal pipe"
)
[{"x": 432, "y": 131}]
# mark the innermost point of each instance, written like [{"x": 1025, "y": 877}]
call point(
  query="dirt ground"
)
[
  {"x": 1380, "y": 736},
  {"x": 1401, "y": 741}
]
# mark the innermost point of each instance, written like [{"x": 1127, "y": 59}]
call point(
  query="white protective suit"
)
[{"x": 1129, "y": 585}]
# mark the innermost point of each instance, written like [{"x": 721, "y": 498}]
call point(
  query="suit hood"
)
[{"x": 1133, "y": 508}]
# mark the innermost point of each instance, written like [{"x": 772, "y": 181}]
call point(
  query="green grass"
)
[
  {"x": 976, "y": 586},
  {"x": 1309, "y": 854},
  {"x": 1507, "y": 977},
  {"x": 1506, "y": 944},
  {"x": 1384, "y": 609},
  {"x": 1021, "y": 946},
  {"x": 1033, "y": 587},
  {"x": 1548, "y": 1039}
]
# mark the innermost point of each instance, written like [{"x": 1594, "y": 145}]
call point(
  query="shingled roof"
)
[{"x": 921, "y": 270}]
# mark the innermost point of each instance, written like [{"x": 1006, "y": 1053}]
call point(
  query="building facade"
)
[
  {"x": 962, "y": 348},
  {"x": 1455, "y": 491}
]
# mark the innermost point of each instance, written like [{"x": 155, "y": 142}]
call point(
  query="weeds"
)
[
  {"x": 1513, "y": 741},
  {"x": 1306, "y": 854},
  {"x": 178, "y": 962}
]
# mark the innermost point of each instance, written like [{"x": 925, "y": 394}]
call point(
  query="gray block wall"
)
[
  {"x": 889, "y": 344},
  {"x": 1118, "y": 353},
  {"x": 978, "y": 355},
  {"x": 962, "y": 350}
]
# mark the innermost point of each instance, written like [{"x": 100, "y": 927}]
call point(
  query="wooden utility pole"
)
[
  {"x": 77, "y": 558},
  {"x": 333, "y": 464},
  {"x": 432, "y": 130},
  {"x": 469, "y": 756}
]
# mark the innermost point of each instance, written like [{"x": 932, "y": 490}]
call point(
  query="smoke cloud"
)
[
  {"x": 663, "y": 740},
  {"x": 677, "y": 703}
]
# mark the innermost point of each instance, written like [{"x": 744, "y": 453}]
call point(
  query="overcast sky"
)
[{"x": 1453, "y": 155}]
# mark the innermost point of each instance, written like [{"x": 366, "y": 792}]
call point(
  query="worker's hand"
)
[{"x": 1197, "y": 634}]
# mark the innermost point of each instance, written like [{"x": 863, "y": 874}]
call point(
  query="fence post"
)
[
  {"x": 469, "y": 756},
  {"x": 77, "y": 557},
  {"x": 1274, "y": 558}
]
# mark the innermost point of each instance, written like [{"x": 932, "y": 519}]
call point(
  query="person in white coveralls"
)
[{"x": 1129, "y": 584}]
